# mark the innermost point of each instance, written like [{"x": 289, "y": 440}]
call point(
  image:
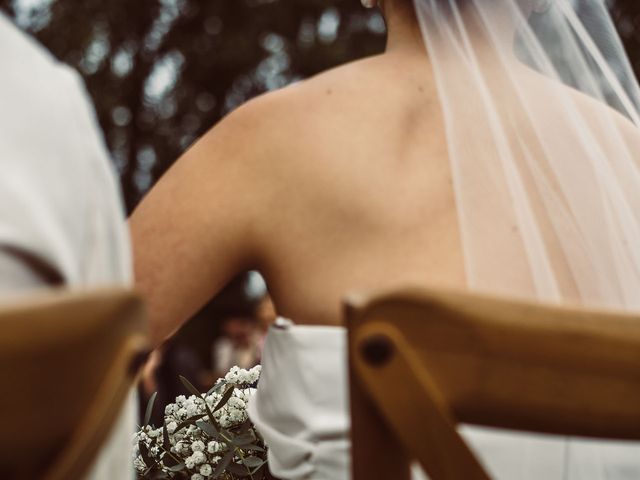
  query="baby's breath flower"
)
[
  {"x": 197, "y": 446},
  {"x": 236, "y": 402},
  {"x": 214, "y": 447},
  {"x": 139, "y": 464},
  {"x": 199, "y": 457},
  {"x": 171, "y": 427},
  {"x": 192, "y": 410},
  {"x": 192, "y": 445}
]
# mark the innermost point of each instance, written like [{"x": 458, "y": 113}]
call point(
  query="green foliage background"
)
[{"x": 161, "y": 72}]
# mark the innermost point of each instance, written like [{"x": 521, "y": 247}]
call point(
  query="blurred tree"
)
[
  {"x": 161, "y": 72},
  {"x": 626, "y": 16}
]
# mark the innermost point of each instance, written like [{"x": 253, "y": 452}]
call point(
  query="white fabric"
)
[
  {"x": 15, "y": 278},
  {"x": 59, "y": 199},
  {"x": 541, "y": 114},
  {"x": 301, "y": 405},
  {"x": 301, "y": 409},
  {"x": 541, "y": 111},
  {"x": 58, "y": 196}
]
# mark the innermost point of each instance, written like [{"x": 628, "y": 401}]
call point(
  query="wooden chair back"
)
[
  {"x": 67, "y": 363},
  {"x": 421, "y": 362}
]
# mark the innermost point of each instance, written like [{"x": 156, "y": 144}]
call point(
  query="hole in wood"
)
[{"x": 377, "y": 350}]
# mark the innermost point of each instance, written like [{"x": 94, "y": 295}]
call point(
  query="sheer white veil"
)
[{"x": 542, "y": 113}]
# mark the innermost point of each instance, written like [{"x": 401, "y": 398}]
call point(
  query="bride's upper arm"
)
[{"x": 198, "y": 226}]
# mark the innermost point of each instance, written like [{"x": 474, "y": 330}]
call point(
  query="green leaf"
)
[
  {"x": 259, "y": 473},
  {"x": 255, "y": 448},
  {"x": 225, "y": 398},
  {"x": 155, "y": 475},
  {"x": 177, "y": 468},
  {"x": 244, "y": 439},
  {"x": 170, "y": 460},
  {"x": 239, "y": 470},
  {"x": 217, "y": 387},
  {"x": 144, "y": 453},
  {"x": 166, "y": 443},
  {"x": 189, "y": 421},
  {"x": 245, "y": 426},
  {"x": 189, "y": 386},
  {"x": 226, "y": 434},
  {"x": 207, "y": 428},
  {"x": 253, "y": 462},
  {"x": 147, "y": 415},
  {"x": 224, "y": 463}
]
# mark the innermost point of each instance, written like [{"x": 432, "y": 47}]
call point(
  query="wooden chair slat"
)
[
  {"x": 463, "y": 358},
  {"x": 68, "y": 360}
]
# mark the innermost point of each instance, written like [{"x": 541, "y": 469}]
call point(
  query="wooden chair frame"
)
[
  {"x": 70, "y": 360},
  {"x": 421, "y": 362}
]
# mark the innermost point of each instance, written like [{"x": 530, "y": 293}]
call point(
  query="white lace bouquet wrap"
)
[{"x": 205, "y": 436}]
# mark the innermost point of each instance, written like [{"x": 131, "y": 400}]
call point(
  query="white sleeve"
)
[
  {"x": 17, "y": 277},
  {"x": 59, "y": 197},
  {"x": 107, "y": 253}
]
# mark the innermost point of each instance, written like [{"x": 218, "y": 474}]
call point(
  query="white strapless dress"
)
[{"x": 301, "y": 409}]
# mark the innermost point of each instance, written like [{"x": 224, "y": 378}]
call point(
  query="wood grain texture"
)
[
  {"x": 462, "y": 358},
  {"x": 68, "y": 361}
]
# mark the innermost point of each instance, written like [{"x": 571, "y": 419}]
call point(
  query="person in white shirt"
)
[{"x": 62, "y": 222}]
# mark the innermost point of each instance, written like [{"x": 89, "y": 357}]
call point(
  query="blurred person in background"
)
[
  {"x": 61, "y": 214},
  {"x": 267, "y": 315},
  {"x": 233, "y": 325},
  {"x": 239, "y": 345},
  {"x": 161, "y": 375},
  {"x": 242, "y": 339}
]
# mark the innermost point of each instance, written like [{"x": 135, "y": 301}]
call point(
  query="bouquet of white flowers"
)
[{"x": 205, "y": 436}]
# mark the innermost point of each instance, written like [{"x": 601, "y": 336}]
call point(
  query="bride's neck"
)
[{"x": 404, "y": 35}]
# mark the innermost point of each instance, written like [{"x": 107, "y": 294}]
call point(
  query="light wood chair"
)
[
  {"x": 421, "y": 362},
  {"x": 67, "y": 363}
]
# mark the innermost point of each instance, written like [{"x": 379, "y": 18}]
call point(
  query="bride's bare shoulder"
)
[
  {"x": 347, "y": 85},
  {"x": 599, "y": 115},
  {"x": 285, "y": 126},
  {"x": 316, "y": 112},
  {"x": 595, "y": 112}
]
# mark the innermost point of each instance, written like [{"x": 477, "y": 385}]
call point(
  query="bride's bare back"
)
[
  {"x": 337, "y": 184},
  {"x": 366, "y": 199}
]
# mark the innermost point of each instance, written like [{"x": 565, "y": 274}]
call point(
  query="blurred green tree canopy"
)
[{"x": 161, "y": 72}]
